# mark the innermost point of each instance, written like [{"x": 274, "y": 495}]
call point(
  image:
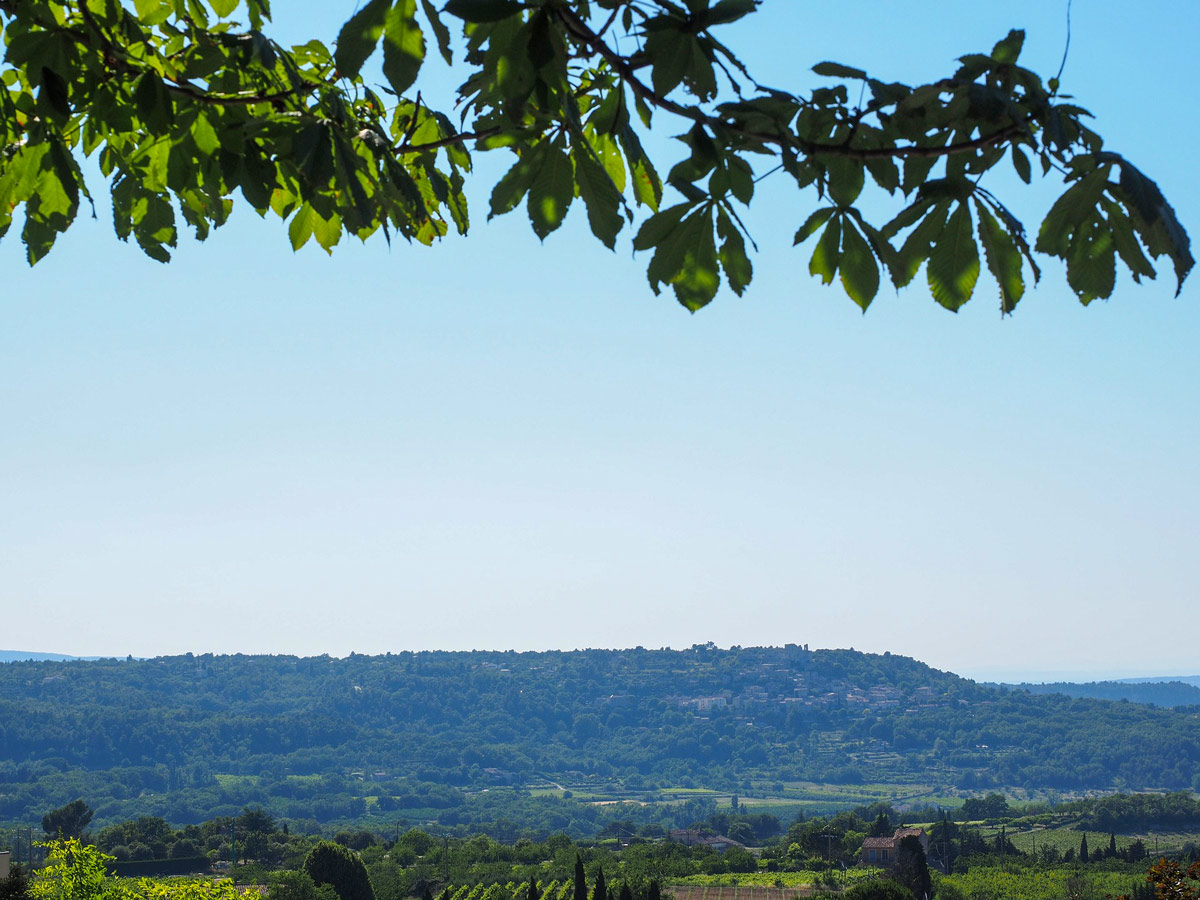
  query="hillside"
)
[{"x": 453, "y": 737}]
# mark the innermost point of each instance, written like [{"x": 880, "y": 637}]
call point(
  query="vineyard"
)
[
  {"x": 512, "y": 890},
  {"x": 737, "y": 892}
]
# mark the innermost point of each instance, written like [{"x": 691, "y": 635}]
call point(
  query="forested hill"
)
[
  {"x": 423, "y": 731},
  {"x": 1156, "y": 693}
]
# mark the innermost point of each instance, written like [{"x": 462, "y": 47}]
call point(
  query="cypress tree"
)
[
  {"x": 1112, "y": 844},
  {"x": 580, "y": 880},
  {"x": 626, "y": 893},
  {"x": 1083, "y": 850},
  {"x": 600, "y": 891},
  {"x": 655, "y": 893},
  {"x": 533, "y": 893}
]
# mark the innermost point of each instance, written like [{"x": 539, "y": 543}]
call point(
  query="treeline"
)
[
  {"x": 1179, "y": 811},
  {"x": 1156, "y": 693},
  {"x": 418, "y": 736}
]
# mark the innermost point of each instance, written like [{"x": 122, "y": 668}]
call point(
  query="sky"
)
[{"x": 498, "y": 444}]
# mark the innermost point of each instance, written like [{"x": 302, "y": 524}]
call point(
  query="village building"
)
[
  {"x": 694, "y": 838},
  {"x": 881, "y": 851}
]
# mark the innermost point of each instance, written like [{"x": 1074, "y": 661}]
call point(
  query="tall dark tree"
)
[
  {"x": 580, "y": 879},
  {"x": 882, "y": 826},
  {"x": 533, "y": 893},
  {"x": 1112, "y": 845},
  {"x": 655, "y": 892},
  {"x": 340, "y": 868},
  {"x": 600, "y": 890},
  {"x": 1083, "y": 849},
  {"x": 912, "y": 869},
  {"x": 626, "y": 893},
  {"x": 67, "y": 821}
]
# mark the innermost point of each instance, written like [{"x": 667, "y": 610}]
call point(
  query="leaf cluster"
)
[{"x": 185, "y": 105}]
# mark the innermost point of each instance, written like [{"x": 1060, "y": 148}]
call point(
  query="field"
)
[{"x": 1066, "y": 837}]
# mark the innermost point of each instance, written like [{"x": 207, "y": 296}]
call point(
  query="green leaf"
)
[
  {"x": 153, "y": 103},
  {"x": 223, "y": 8},
  {"x": 687, "y": 259},
  {"x": 885, "y": 172},
  {"x": 600, "y": 197},
  {"x": 837, "y": 70},
  {"x": 359, "y": 36},
  {"x": 300, "y": 229},
  {"x": 1021, "y": 164},
  {"x": 672, "y": 245},
  {"x": 916, "y": 170},
  {"x": 860, "y": 272},
  {"x": 440, "y": 31},
  {"x": 824, "y": 261},
  {"x": 403, "y": 46},
  {"x": 551, "y": 193},
  {"x": 1091, "y": 262},
  {"x": 55, "y": 93},
  {"x": 483, "y": 10},
  {"x": 670, "y": 52},
  {"x": 205, "y": 135},
  {"x": 153, "y": 12},
  {"x": 1003, "y": 259},
  {"x": 514, "y": 185},
  {"x": 1074, "y": 207},
  {"x": 812, "y": 224},
  {"x": 918, "y": 245},
  {"x": 1006, "y": 51},
  {"x": 846, "y": 179},
  {"x": 953, "y": 265},
  {"x": 1156, "y": 222},
  {"x": 659, "y": 226},
  {"x": 726, "y": 11},
  {"x": 647, "y": 186},
  {"x": 1126, "y": 242},
  {"x": 732, "y": 255},
  {"x": 327, "y": 231}
]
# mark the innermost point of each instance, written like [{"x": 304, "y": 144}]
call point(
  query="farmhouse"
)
[
  {"x": 881, "y": 851},
  {"x": 693, "y": 838}
]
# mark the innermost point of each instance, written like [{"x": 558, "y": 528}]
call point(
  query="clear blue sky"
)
[{"x": 497, "y": 443}]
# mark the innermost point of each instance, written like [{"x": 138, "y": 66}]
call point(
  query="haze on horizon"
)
[{"x": 497, "y": 444}]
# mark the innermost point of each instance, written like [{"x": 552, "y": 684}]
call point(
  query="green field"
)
[{"x": 995, "y": 883}]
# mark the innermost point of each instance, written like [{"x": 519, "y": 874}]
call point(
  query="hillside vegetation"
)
[{"x": 476, "y": 736}]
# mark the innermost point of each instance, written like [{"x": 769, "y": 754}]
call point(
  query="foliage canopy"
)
[
  {"x": 339, "y": 867},
  {"x": 185, "y": 102}
]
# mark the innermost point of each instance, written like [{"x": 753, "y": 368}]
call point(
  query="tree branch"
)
[{"x": 580, "y": 30}]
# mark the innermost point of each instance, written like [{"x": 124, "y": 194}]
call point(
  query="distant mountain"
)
[
  {"x": 1175, "y": 692},
  {"x": 28, "y": 656},
  {"x": 1193, "y": 680}
]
